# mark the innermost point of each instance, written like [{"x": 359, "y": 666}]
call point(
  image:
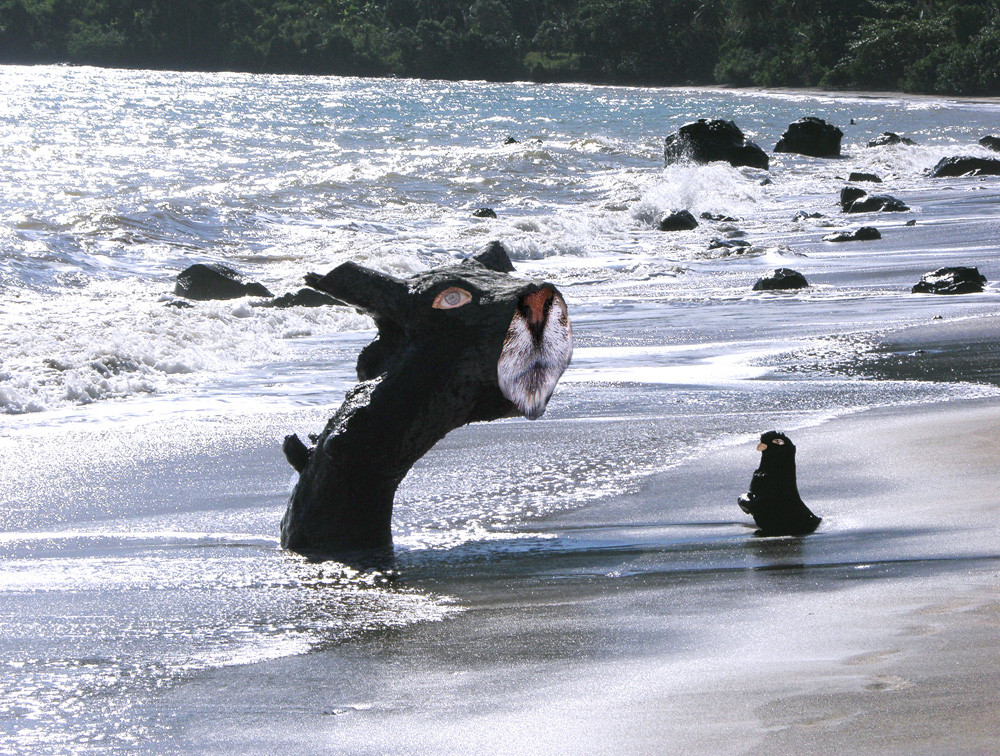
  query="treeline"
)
[{"x": 932, "y": 46}]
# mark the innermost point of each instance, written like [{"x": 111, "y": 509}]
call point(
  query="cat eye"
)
[{"x": 451, "y": 298}]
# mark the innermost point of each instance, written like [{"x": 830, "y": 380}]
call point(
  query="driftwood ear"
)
[
  {"x": 379, "y": 294},
  {"x": 494, "y": 257}
]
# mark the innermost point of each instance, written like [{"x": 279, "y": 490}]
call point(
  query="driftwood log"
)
[{"x": 457, "y": 344}]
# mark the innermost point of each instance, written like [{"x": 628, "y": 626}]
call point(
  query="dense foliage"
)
[{"x": 939, "y": 46}]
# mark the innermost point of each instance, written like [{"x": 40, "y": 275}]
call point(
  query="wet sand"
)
[{"x": 633, "y": 628}]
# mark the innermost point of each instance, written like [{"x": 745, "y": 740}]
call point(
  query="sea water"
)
[{"x": 142, "y": 481}]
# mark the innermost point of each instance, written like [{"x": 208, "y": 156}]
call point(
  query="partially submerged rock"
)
[
  {"x": 484, "y": 212},
  {"x": 206, "y": 281},
  {"x": 860, "y": 176},
  {"x": 991, "y": 143},
  {"x": 865, "y": 233},
  {"x": 728, "y": 243},
  {"x": 890, "y": 138},
  {"x": 706, "y": 141},
  {"x": 956, "y": 280},
  {"x": 302, "y": 298},
  {"x": 781, "y": 279},
  {"x": 811, "y": 136},
  {"x": 802, "y": 215},
  {"x": 966, "y": 166},
  {"x": 855, "y": 200},
  {"x": 718, "y": 217},
  {"x": 678, "y": 220}
]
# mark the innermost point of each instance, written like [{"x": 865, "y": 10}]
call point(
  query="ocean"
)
[{"x": 142, "y": 481}]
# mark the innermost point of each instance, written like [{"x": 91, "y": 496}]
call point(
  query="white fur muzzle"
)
[{"x": 533, "y": 359}]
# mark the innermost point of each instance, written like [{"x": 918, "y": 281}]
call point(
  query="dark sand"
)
[{"x": 652, "y": 633}]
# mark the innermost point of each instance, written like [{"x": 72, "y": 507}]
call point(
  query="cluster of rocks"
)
[
  {"x": 709, "y": 141},
  {"x": 956, "y": 280},
  {"x": 210, "y": 281},
  {"x": 706, "y": 141}
]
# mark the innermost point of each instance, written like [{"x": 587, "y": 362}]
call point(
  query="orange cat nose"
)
[{"x": 536, "y": 306}]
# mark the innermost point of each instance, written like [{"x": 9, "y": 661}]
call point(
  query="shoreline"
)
[
  {"x": 817, "y": 91},
  {"x": 628, "y": 636},
  {"x": 632, "y": 625}
]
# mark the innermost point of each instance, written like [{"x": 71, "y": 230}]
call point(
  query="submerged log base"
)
[{"x": 458, "y": 344}]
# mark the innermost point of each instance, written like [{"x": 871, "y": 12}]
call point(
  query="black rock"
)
[
  {"x": 495, "y": 257},
  {"x": 766, "y": 181},
  {"x": 888, "y": 138},
  {"x": 728, "y": 243},
  {"x": 302, "y": 298},
  {"x": 782, "y": 278},
  {"x": 458, "y": 344},
  {"x": 707, "y": 141},
  {"x": 958, "y": 280},
  {"x": 911, "y": 222},
  {"x": 511, "y": 140},
  {"x": 848, "y": 194},
  {"x": 679, "y": 220},
  {"x": 811, "y": 136},
  {"x": 803, "y": 215},
  {"x": 858, "y": 176},
  {"x": 991, "y": 143},
  {"x": 484, "y": 212},
  {"x": 215, "y": 281},
  {"x": 718, "y": 217},
  {"x": 966, "y": 166},
  {"x": 865, "y": 233},
  {"x": 180, "y": 304},
  {"x": 773, "y": 499},
  {"x": 855, "y": 200}
]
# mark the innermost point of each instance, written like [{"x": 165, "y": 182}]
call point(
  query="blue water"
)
[{"x": 142, "y": 480}]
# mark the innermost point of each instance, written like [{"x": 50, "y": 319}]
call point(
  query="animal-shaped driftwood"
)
[{"x": 457, "y": 344}]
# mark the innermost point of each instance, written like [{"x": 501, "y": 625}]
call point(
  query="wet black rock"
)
[
  {"x": 865, "y": 233},
  {"x": 803, "y": 215},
  {"x": 495, "y": 257},
  {"x": 766, "y": 181},
  {"x": 889, "y": 138},
  {"x": 966, "y": 166},
  {"x": 811, "y": 136},
  {"x": 859, "y": 176},
  {"x": 718, "y": 217},
  {"x": 215, "y": 281},
  {"x": 855, "y": 200},
  {"x": 302, "y": 298},
  {"x": 782, "y": 278},
  {"x": 679, "y": 220},
  {"x": 728, "y": 243},
  {"x": 484, "y": 212},
  {"x": 511, "y": 140},
  {"x": 911, "y": 222},
  {"x": 707, "y": 141},
  {"x": 991, "y": 143},
  {"x": 958, "y": 280}
]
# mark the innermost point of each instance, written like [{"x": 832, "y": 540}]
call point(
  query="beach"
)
[
  {"x": 626, "y": 637},
  {"x": 582, "y": 583}
]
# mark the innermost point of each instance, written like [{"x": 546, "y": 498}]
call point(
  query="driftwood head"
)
[
  {"x": 469, "y": 323},
  {"x": 457, "y": 344}
]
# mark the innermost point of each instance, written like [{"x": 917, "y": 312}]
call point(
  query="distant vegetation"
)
[{"x": 933, "y": 46}]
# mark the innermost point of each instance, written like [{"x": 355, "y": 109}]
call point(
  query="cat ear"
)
[{"x": 376, "y": 293}]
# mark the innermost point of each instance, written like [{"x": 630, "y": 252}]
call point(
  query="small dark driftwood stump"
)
[{"x": 458, "y": 344}]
